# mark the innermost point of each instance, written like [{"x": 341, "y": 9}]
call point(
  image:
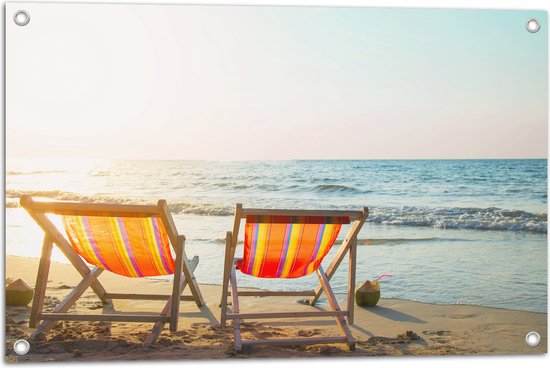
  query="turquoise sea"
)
[{"x": 450, "y": 231}]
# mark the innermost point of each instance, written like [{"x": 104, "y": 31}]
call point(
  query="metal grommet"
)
[
  {"x": 532, "y": 338},
  {"x": 533, "y": 25},
  {"x": 21, "y": 347},
  {"x": 21, "y": 18}
]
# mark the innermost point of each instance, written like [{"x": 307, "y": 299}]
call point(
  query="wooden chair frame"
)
[
  {"x": 230, "y": 280},
  {"x": 183, "y": 274}
]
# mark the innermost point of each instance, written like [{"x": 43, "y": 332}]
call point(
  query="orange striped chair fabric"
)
[
  {"x": 287, "y": 246},
  {"x": 128, "y": 246}
]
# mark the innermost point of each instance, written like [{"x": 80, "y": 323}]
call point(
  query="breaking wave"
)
[
  {"x": 175, "y": 207},
  {"x": 201, "y": 209},
  {"x": 441, "y": 217},
  {"x": 462, "y": 218}
]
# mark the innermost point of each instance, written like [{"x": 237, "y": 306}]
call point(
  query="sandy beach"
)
[{"x": 380, "y": 331}]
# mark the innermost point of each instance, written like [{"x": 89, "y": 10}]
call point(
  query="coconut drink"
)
[
  {"x": 18, "y": 293},
  {"x": 368, "y": 294}
]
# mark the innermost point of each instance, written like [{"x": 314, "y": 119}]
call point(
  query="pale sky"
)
[{"x": 214, "y": 82}]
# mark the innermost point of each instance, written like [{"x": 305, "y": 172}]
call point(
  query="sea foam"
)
[{"x": 473, "y": 218}]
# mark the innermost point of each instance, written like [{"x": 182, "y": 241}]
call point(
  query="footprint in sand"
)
[
  {"x": 329, "y": 350},
  {"x": 437, "y": 332},
  {"x": 165, "y": 340},
  {"x": 63, "y": 286},
  {"x": 102, "y": 329},
  {"x": 308, "y": 333},
  {"x": 403, "y": 338},
  {"x": 209, "y": 336}
]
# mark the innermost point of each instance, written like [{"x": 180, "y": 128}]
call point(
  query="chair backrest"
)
[
  {"x": 129, "y": 240},
  {"x": 288, "y": 244},
  {"x": 128, "y": 246}
]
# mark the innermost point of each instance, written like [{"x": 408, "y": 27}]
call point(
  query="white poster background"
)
[{"x": 501, "y": 361}]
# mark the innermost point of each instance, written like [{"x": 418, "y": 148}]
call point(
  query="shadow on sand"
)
[{"x": 393, "y": 314}]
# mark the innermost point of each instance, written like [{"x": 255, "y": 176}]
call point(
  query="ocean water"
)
[{"x": 450, "y": 231}]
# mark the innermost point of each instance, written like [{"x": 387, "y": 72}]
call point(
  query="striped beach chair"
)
[
  {"x": 290, "y": 244},
  {"x": 129, "y": 240}
]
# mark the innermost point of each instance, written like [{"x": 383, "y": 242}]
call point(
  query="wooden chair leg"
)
[
  {"x": 41, "y": 281},
  {"x": 176, "y": 287},
  {"x": 68, "y": 302},
  {"x": 191, "y": 280},
  {"x": 159, "y": 325},
  {"x": 236, "y": 321},
  {"x": 345, "y": 337},
  {"x": 331, "y": 269},
  {"x": 230, "y": 247},
  {"x": 334, "y": 306},
  {"x": 351, "y": 280},
  {"x": 225, "y": 283}
]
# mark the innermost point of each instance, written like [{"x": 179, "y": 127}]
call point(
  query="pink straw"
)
[{"x": 384, "y": 275}]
